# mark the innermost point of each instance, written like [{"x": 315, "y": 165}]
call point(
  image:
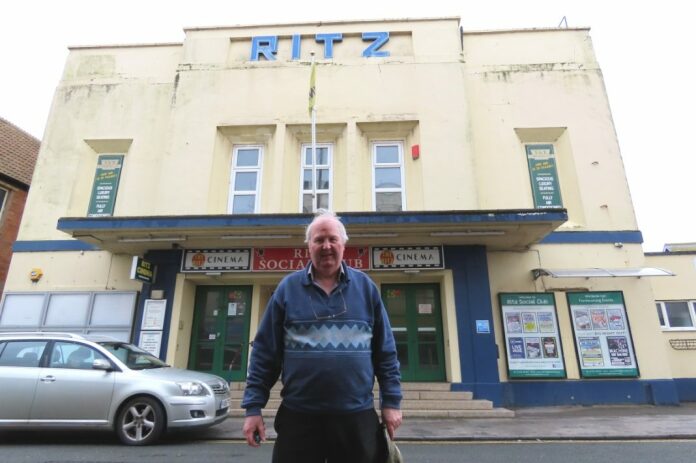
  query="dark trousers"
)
[{"x": 339, "y": 438}]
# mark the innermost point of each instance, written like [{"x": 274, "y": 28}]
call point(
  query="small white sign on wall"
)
[{"x": 151, "y": 341}]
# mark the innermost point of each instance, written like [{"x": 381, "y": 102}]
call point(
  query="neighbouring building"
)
[
  {"x": 18, "y": 151},
  {"x": 478, "y": 174}
]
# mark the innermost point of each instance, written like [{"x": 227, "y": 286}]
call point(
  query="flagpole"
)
[{"x": 314, "y": 140}]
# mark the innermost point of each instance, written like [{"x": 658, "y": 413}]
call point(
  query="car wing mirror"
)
[{"x": 101, "y": 364}]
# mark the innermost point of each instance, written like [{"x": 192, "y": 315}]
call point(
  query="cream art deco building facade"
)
[{"x": 478, "y": 174}]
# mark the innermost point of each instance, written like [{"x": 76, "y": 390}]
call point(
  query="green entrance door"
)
[
  {"x": 220, "y": 342},
  {"x": 415, "y": 316}
]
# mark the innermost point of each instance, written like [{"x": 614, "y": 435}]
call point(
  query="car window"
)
[
  {"x": 134, "y": 357},
  {"x": 72, "y": 355},
  {"x": 22, "y": 353}
]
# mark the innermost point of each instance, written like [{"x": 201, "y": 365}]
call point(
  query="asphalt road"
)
[{"x": 72, "y": 447}]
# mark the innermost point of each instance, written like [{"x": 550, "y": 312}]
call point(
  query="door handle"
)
[{"x": 48, "y": 379}]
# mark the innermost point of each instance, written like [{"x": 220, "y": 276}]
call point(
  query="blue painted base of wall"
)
[
  {"x": 686, "y": 388},
  {"x": 583, "y": 392}
]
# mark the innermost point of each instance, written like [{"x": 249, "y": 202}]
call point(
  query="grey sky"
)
[{"x": 645, "y": 50}]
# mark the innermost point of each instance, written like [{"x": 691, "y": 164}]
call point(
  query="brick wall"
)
[{"x": 9, "y": 226}]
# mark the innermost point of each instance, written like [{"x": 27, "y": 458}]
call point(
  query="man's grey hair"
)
[{"x": 321, "y": 214}]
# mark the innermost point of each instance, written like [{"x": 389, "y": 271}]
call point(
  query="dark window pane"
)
[
  {"x": 323, "y": 179},
  {"x": 659, "y": 314},
  {"x": 678, "y": 314},
  {"x": 307, "y": 203},
  {"x": 204, "y": 358},
  {"x": 307, "y": 179}
]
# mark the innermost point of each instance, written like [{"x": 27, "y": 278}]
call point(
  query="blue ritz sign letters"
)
[{"x": 267, "y": 45}]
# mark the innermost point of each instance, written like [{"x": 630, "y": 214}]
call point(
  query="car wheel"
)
[{"x": 140, "y": 421}]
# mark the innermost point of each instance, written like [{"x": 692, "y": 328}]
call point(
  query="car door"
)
[
  {"x": 19, "y": 373},
  {"x": 69, "y": 389}
]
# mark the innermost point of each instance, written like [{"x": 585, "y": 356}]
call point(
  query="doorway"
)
[
  {"x": 220, "y": 342},
  {"x": 416, "y": 320}
]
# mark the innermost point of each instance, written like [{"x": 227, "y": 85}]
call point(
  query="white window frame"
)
[
  {"x": 234, "y": 169},
  {"x": 303, "y": 166},
  {"x": 400, "y": 164},
  {"x": 691, "y": 304}
]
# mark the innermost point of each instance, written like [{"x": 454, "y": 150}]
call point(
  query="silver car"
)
[{"x": 65, "y": 380}]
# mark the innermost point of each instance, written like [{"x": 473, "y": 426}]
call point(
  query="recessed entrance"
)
[
  {"x": 220, "y": 342},
  {"x": 416, "y": 319}
]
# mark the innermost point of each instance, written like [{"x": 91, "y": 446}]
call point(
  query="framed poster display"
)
[
  {"x": 532, "y": 340},
  {"x": 602, "y": 336},
  {"x": 151, "y": 341},
  {"x": 154, "y": 312}
]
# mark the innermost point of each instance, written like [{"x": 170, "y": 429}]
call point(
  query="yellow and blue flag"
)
[{"x": 312, "y": 88}]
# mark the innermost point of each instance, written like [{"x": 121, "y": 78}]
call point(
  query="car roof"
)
[{"x": 40, "y": 334}]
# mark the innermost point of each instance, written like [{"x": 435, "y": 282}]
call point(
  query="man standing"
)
[{"x": 327, "y": 330}]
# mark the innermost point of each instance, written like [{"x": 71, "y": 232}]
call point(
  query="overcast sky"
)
[{"x": 645, "y": 50}]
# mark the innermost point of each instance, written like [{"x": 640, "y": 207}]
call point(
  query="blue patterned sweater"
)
[{"x": 329, "y": 348}]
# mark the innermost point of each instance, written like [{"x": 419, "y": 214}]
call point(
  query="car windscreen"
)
[{"x": 134, "y": 357}]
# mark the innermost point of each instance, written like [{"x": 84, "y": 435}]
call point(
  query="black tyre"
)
[{"x": 140, "y": 422}]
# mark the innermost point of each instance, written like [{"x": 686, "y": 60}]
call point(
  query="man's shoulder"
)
[{"x": 358, "y": 275}]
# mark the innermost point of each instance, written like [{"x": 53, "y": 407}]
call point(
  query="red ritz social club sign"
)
[{"x": 289, "y": 259}]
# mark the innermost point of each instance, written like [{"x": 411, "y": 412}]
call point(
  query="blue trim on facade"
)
[
  {"x": 686, "y": 387},
  {"x": 588, "y": 237},
  {"x": 590, "y": 392},
  {"x": 167, "y": 263},
  {"x": 52, "y": 245},
  {"x": 349, "y": 218},
  {"x": 478, "y": 353}
]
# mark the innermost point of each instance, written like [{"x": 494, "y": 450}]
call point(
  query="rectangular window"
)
[
  {"x": 677, "y": 314},
  {"x": 316, "y": 188},
  {"x": 107, "y": 313},
  {"x": 245, "y": 180},
  {"x": 546, "y": 190},
  {"x": 388, "y": 176}
]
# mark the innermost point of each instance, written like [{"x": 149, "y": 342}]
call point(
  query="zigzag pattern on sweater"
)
[{"x": 328, "y": 336}]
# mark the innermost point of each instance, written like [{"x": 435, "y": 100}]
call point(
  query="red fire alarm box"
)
[{"x": 415, "y": 152}]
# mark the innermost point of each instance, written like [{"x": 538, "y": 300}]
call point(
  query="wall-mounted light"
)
[
  {"x": 469, "y": 233},
  {"x": 148, "y": 239},
  {"x": 255, "y": 237}
]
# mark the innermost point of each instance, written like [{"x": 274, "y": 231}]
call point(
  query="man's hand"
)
[
  {"x": 392, "y": 418},
  {"x": 254, "y": 424}
]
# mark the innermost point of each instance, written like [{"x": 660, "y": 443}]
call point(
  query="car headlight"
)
[{"x": 192, "y": 388}]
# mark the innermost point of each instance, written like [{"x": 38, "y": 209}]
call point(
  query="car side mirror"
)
[{"x": 101, "y": 364}]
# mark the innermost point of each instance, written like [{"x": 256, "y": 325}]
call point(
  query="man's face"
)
[{"x": 326, "y": 246}]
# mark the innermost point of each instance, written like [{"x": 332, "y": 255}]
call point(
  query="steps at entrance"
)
[{"x": 424, "y": 400}]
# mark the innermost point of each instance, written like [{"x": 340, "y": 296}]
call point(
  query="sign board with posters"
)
[
  {"x": 542, "y": 172},
  {"x": 602, "y": 335},
  {"x": 407, "y": 257},
  {"x": 291, "y": 259},
  {"x": 532, "y": 339},
  {"x": 105, "y": 186}
]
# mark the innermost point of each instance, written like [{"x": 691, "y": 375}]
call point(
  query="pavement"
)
[{"x": 597, "y": 422}]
